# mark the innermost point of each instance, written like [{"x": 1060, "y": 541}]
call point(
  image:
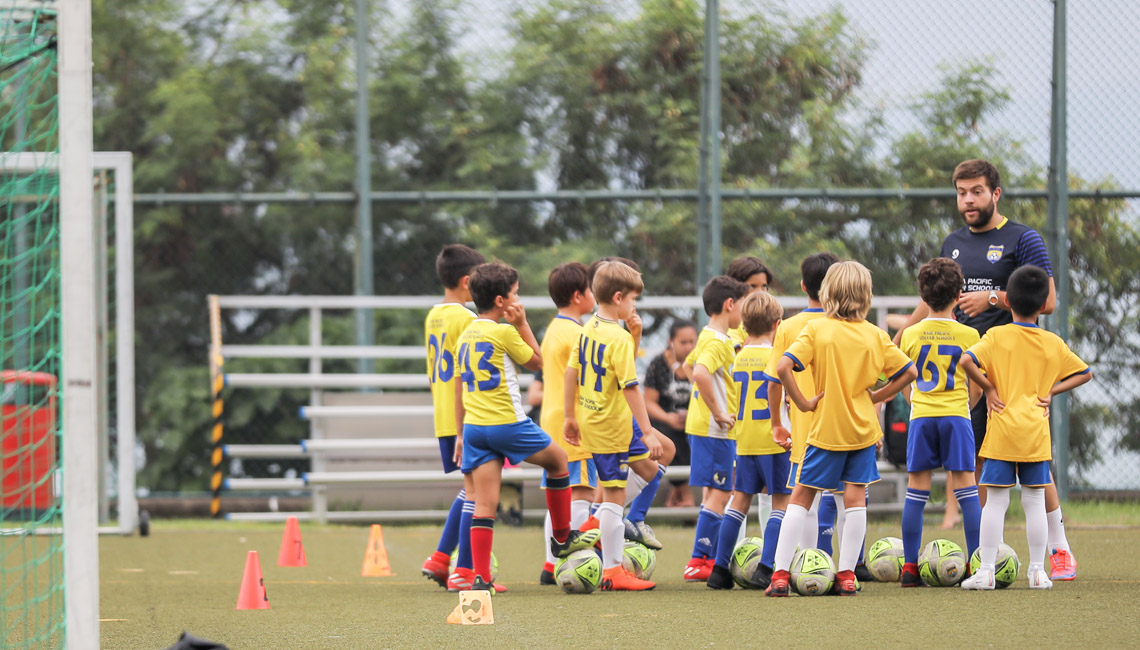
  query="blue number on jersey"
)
[
  {"x": 486, "y": 349},
  {"x": 466, "y": 375},
  {"x": 742, "y": 377},
  {"x": 927, "y": 364},
  {"x": 443, "y": 366},
  {"x": 595, "y": 356}
]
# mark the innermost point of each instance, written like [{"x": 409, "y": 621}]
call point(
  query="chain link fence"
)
[{"x": 541, "y": 132}]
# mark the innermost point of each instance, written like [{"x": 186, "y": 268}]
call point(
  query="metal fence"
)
[{"x": 570, "y": 129}]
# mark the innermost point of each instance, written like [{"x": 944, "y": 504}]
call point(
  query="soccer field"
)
[{"x": 186, "y": 576}]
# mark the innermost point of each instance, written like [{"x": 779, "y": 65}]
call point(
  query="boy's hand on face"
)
[
  {"x": 634, "y": 324},
  {"x": 515, "y": 314}
]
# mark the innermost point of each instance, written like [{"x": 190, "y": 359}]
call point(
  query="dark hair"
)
[
  {"x": 489, "y": 281},
  {"x": 454, "y": 262},
  {"x": 598, "y": 262},
  {"x": 812, "y": 271},
  {"x": 747, "y": 266},
  {"x": 722, "y": 288},
  {"x": 977, "y": 168},
  {"x": 567, "y": 279},
  {"x": 939, "y": 282},
  {"x": 678, "y": 325},
  {"x": 1028, "y": 290}
]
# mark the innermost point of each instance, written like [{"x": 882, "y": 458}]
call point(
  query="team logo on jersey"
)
[{"x": 994, "y": 254}]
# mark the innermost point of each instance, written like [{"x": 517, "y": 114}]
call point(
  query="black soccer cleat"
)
[
  {"x": 546, "y": 578},
  {"x": 863, "y": 574},
  {"x": 720, "y": 578},
  {"x": 577, "y": 541},
  {"x": 761, "y": 578},
  {"x": 909, "y": 576}
]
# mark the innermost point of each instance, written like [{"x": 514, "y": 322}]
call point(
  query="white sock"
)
[
  {"x": 633, "y": 486},
  {"x": 809, "y": 535},
  {"x": 794, "y": 519},
  {"x": 579, "y": 513},
  {"x": 853, "y": 531},
  {"x": 840, "y": 522},
  {"x": 993, "y": 521},
  {"x": 743, "y": 532},
  {"x": 548, "y": 530},
  {"x": 613, "y": 534},
  {"x": 1057, "y": 537},
  {"x": 764, "y": 511},
  {"x": 1036, "y": 523}
]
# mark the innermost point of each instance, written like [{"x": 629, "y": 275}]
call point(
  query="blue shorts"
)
[
  {"x": 515, "y": 442},
  {"x": 583, "y": 473},
  {"x": 936, "y": 442},
  {"x": 447, "y": 453},
  {"x": 754, "y": 474},
  {"x": 1007, "y": 473},
  {"x": 637, "y": 448},
  {"x": 710, "y": 462},
  {"x": 793, "y": 474},
  {"x": 613, "y": 469},
  {"x": 829, "y": 470}
]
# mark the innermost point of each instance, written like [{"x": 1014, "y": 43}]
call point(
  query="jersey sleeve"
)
[
  {"x": 779, "y": 344},
  {"x": 982, "y": 351},
  {"x": 516, "y": 347},
  {"x": 1031, "y": 250},
  {"x": 802, "y": 351},
  {"x": 895, "y": 361},
  {"x": 625, "y": 370},
  {"x": 1071, "y": 364},
  {"x": 576, "y": 360},
  {"x": 709, "y": 355}
]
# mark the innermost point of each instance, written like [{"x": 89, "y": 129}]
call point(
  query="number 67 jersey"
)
[
  {"x": 604, "y": 359},
  {"x": 444, "y": 323},
  {"x": 936, "y": 346}
]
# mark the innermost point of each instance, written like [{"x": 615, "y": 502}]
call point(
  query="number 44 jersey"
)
[
  {"x": 936, "y": 346},
  {"x": 604, "y": 359}
]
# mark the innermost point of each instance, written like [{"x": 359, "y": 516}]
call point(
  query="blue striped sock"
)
[
  {"x": 913, "y": 508},
  {"x": 729, "y": 530},
  {"x": 708, "y": 528},
  {"x": 594, "y": 508},
  {"x": 449, "y": 539},
  {"x": 463, "y": 560},
  {"x": 771, "y": 536},
  {"x": 827, "y": 511},
  {"x": 971, "y": 509},
  {"x": 639, "y": 507}
]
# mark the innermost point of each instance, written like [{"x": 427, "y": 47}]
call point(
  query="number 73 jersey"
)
[
  {"x": 604, "y": 359},
  {"x": 936, "y": 346}
]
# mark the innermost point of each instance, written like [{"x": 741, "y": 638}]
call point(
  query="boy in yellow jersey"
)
[
  {"x": 940, "y": 434},
  {"x": 753, "y": 272},
  {"x": 812, "y": 270},
  {"x": 710, "y": 419},
  {"x": 1025, "y": 367},
  {"x": 847, "y": 355},
  {"x": 761, "y": 464},
  {"x": 495, "y": 426},
  {"x": 569, "y": 286},
  {"x": 444, "y": 323},
  {"x": 602, "y": 381}
]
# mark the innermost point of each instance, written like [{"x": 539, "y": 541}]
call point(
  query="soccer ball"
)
[
  {"x": 885, "y": 559},
  {"x": 638, "y": 559},
  {"x": 1006, "y": 567},
  {"x": 579, "y": 573},
  {"x": 942, "y": 563},
  {"x": 494, "y": 564},
  {"x": 813, "y": 572},
  {"x": 745, "y": 561}
]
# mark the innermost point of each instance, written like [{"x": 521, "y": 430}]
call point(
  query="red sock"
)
[
  {"x": 558, "y": 502},
  {"x": 482, "y": 538}
]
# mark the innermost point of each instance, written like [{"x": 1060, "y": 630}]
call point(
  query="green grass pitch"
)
[{"x": 187, "y": 574}]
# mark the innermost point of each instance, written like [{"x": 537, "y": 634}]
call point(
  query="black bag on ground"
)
[{"x": 190, "y": 642}]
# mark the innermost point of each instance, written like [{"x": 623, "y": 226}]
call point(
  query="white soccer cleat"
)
[
  {"x": 983, "y": 580},
  {"x": 1038, "y": 579}
]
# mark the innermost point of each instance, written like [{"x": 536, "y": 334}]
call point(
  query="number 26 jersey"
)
[{"x": 604, "y": 359}]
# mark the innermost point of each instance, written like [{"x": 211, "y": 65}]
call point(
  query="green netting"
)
[{"x": 31, "y": 557}]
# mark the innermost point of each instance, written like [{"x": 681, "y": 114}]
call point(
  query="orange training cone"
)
[
  {"x": 376, "y": 556},
  {"x": 292, "y": 550},
  {"x": 252, "y": 594}
]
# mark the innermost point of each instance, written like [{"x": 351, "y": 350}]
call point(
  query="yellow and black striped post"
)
[{"x": 217, "y": 382}]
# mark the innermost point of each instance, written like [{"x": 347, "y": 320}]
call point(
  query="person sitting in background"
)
[{"x": 667, "y": 391}]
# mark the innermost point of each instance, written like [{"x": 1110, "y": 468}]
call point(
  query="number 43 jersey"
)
[
  {"x": 604, "y": 359},
  {"x": 936, "y": 346},
  {"x": 444, "y": 323},
  {"x": 490, "y": 381}
]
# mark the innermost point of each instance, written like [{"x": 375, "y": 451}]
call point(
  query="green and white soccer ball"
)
[
  {"x": 580, "y": 572},
  {"x": 885, "y": 559},
  {"x": 745, "y": 560},
  {"x": 1006, "y": 567},
  {"x": 942, "y": 563},
  {"x": 638, "y": 559},
  {"x": 494, "y": 564},
  {"x": 813, "y": 572}
]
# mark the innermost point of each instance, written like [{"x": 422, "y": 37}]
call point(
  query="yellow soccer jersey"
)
[
  {"x": 846, "y": 360},
  {"x": 753, "y": 419},
  {"x": 786, "y": 334},
  {"x": 603, "y": 357},
  {"x": 936, "y": 346},
  {"x": 1022, "y": 362},
  {"x": 738, "y": 336},
  {"x": 442, "y": 328},
  {"x": 490, "y": 381},
  {"x": 714, "y": 351},
  {"x": 557, "y": 344}
]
